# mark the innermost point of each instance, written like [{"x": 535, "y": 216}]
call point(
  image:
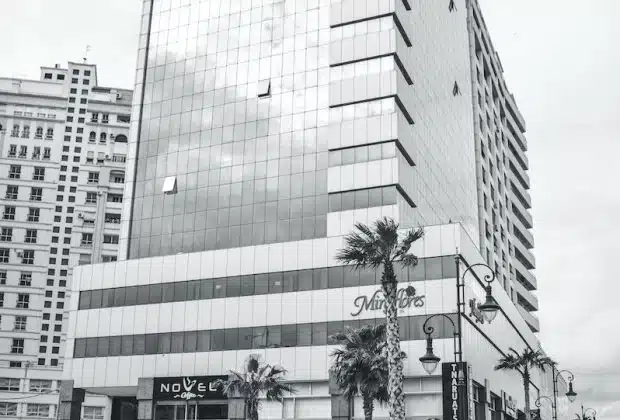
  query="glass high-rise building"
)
[{"x": 262, "y": 131}]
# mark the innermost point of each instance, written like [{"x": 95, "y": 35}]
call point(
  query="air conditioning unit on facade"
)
[{"x": 80, "y": 215}]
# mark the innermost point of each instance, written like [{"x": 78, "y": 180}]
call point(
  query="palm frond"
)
[
  {"x": 402, "y": 253},
  {"x": 361, "y": 248},
  {"x": 386, "y": 232}
]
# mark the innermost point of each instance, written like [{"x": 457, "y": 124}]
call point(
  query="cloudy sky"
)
[{"x": 561, "y": 61}]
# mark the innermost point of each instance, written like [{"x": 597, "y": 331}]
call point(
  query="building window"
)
[
  {"x": 12, "y": 150},
  {"x": 36, "y": 193},
  {"x": 49, "y": 134},
  {"x": 93, "y": 177},
  {"x": 2, "y": 276},
  {"x": 9, "y": 213},
  {"x": 92, "y": 136},
  {"x": 1, "y": 299},
  {"x": 115, "y": 198},
  {"x": 20, "y": 323},
  {"x": 109, "y": 258},
  {"x": 37, "y": 410},
  {"x": 112, "y": 218},
  {"x": 110, "y": 239},
  {"x": 31, "y": 236},
  {"x": 87, "y": 239},
  {"x": 36, "y": 152},
  {"x": 6, "y": 234},
  {"x": 40, "y": 385},
  {"x": 47, "y": 153},
  {"x": 9, "y": 384},
  {"x": 4, "y": 255},
  {"x": 17, "y": 346},
  {"x": 92, "y": 413},
  {"x": 91, "y": 198},
  {"x": 28, "y": 257},
  {"x": 117, "y": 178},
  {"x": 6, "y": 408},
  {"x": 26, "y": 132},
  {"x": 105, "y": 118},
  {"x": 94, "y": 117},
  {"x": 25, "y": 278},
  {"x": 47, "y": 76},
  {"x": 15, "y": 171},
  {"x": 38, "y": 174},
  {"x": 11, "y": 192},
  {"x": 84, "y": 259},
  {"x": 23, "y": 151}
]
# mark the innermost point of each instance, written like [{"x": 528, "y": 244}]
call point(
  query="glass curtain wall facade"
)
[
  {"x": 236, "y": 108},
  {"x": 254, "y": 113}
]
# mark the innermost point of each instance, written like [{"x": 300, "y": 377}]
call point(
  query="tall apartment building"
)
[
  {"x": 63, "y": 145},
  {"x": 261, "y": 132}
]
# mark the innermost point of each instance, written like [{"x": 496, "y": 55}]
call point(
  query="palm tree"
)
[
  {"x": 524, "y": 363},
  {"x": 256, "y": 380},
  {"x": 360, "y": 366},
  {"x": 380, "y": 246}
]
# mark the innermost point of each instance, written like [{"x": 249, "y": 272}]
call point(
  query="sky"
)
[{"x": 561, "y": 61}]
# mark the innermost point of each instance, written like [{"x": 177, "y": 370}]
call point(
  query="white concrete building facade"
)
[{"x": 43, "y": 187}]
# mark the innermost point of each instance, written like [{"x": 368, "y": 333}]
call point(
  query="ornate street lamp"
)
[
  {"x": 570, "y": 394},
  {"x": 538, "y": 404},
  {"x": 489, "y": 308},
  {"x": 430, "y": 360}
]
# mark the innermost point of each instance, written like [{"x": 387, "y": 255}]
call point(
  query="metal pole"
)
[
  {"x": 555, "y": 394},
  {"x": 458, "y": 305}
]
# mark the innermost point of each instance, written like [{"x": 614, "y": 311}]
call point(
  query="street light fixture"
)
[
  {"x": 489, "y": 308},
  {"x": 538, "y": 404},
  {"x": 570, "y": 394},
  {"x": 430, "y": 360},
  {"x": 584, "y": 413}
]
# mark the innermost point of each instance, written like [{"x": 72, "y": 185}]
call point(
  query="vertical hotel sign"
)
[{"x": 455, "y": 404}]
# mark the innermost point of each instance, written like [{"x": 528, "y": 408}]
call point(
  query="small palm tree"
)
[
  {"x": 253, "y": 383},
  {"x": 524, "y": 363},
  {"x": 381, "y": 246},
  {"x": 360, "y": 366}
]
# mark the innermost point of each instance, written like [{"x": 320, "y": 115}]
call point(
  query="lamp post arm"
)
[{"x": 489, "y": 278}]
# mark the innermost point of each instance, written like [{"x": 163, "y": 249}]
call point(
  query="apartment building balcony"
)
[
  {"x": 515, "y": 114},
  {"x": 526, "y": 235},
  {"x": 527, "y": 258},
  {"x": 517, "y": 154},
  {"x": 519, "y": 209},
  {"x": 530, "y": 319},
  {"x": 526, "y": 276},
  {"x": 521, "y": 194},
  {"x": 519, "y": 176},
  {"x": 528, "y": 296}
]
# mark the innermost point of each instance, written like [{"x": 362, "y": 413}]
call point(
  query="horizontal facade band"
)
[
  {"x": 387, "y": 194},
  {"x": 396, "y": 142},
  {"x": 397, "y": 22},
  {"x": 398, "y": 102},
  {"x": 274, "y": 336},
  {"x": 397, "y": 60},
  {"x": 434, "y": 268}
]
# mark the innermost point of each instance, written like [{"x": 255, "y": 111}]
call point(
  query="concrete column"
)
[
  {"x": 145, "y": 398},
  {"x": 341, "y": 406},
  {"x": 71, "y": 400}
]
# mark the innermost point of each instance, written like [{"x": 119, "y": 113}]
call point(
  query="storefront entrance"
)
[{"x": 194, "y": 410}]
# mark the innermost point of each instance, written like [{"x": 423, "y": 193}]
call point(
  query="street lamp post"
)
[
  {"x": 538, "y": 404},
  {"x": 584, "y": 413},
  {"x": 489, "y": 310},
  {"x": 570, "y": 394}
]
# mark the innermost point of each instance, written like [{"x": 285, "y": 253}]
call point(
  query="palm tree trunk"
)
[
  {"x": 392, "y": 335},
  {"x": 526, "y": 389},
  {"x": 368, "y": 406}
]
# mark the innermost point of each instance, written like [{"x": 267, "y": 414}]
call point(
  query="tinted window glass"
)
[
  {"x": 95, "y": 299},
  {"x": 108, "y": 298},
  {"x": 103, "y": 346},
  {"x": 274, "y": 336},
  {"x": 156, "y": 293},
  {"x": 190, "y": 341},
  {"x": 167, "y": 292},
  {"x": 119, "y": 296},
  {"x": 336, "y": 275},
  {"x": 126, "y": 345},
  {"x": 131, "y": 295},
  {"x": 84, "y": 300},
  {"x": 289, "y": 336},
  {"x": 261, "y": 284},
  {"x": 91, "y": 347},
  {"x": 245, "y": 338},
  {"x": 247, "y": 285},
  {"x": 193, "y": 290},
  {"x": 448, "y": 266},
  {"x": 351, "y": 277},
  {"x": 204, "y": 341},
  {"x": 219, "y": 288},
  {"x": 275, "y": 283},
  {"x": 143, "y": 294},
  {"x": 433, "y": 268},
  {"x": 319, "y": 279},
  {"x": 139, "y": 344},
  {"x": 319, "y": 334},
  {"x": 304, "y": 280},
  {"x": 259, "y": 337},
  {"x": 180, "y": 291},
  {"x": 206, "y": 289},
  {"x": 150, "y": 344},
  {"x": 231, "y": 339},
  {"x": 367, "y": 277},
  {"x": 115, "y": 346},
  {"x": 289, "y": 281},
  {"x": 176, "y": 343},
  {"x": 217, "y": 340},
  {"x": 233, "y": 287},
  {"x": 163, "y": 343}
]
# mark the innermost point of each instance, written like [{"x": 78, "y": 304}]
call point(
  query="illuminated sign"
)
[{"x": 188, "y": 388}]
